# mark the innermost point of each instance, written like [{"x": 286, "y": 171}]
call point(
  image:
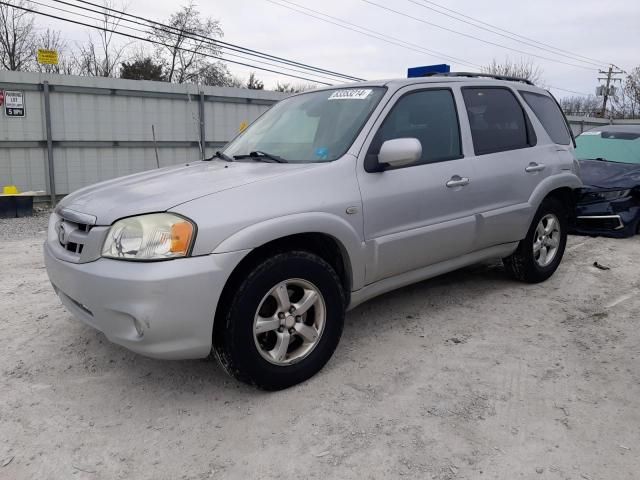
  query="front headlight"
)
[
  {"x": 605, "y": 196},
  {"x": 157, "y": 236}
]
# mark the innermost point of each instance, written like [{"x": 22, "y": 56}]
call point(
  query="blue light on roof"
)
[{"x": 423, "y": 71}]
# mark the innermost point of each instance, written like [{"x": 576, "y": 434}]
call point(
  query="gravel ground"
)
[
  {"x": 467, "y": 376},
  {"x": 25, "y": 227}
]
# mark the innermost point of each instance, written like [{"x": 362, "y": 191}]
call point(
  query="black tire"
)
[
  {"x": 522, "y": 264},
  {"x": 234, "y": 343}
]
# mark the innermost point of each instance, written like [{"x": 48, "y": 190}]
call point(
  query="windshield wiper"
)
[
  {"x": 600, "y": 159},
  {"x": 223, "y": 156},
  {"x": 261, "y": 156}
]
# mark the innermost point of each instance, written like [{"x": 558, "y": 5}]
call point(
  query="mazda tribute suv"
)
[{"x": 331, "y": 197}]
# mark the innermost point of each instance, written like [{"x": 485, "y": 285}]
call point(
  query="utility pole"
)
[{"x": 607, "y": 90}]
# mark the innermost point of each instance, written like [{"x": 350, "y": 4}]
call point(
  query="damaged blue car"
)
[{"x": 609, "y": 202}]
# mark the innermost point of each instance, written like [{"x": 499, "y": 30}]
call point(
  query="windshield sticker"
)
[
  {"x": 322, "y": 153},
  {"x": 350, "y": 94},
  {"x": 591, "y": 133}
]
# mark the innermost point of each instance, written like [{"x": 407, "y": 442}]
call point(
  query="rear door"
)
[
  {"x": 420, "y": 214},
  {"x": 508, "y": 162}
]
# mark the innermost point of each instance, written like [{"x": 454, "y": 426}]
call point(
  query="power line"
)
[
  {"x": 507, "y": 33},
  {"x": 184, "y": 49},
  {"x": 135, "y": 37},
  {"x": 220, "y": 42},
  {"x": 192, "y": 36},
  {"x": 363, "y": 33},
  {"x": 570, "y": 91},
  {"x": 600, "y": 62},
  {"x": 146, "y": 32},
  {"x": 422, "y": 20},
  {"x": 373, "y": 34}
]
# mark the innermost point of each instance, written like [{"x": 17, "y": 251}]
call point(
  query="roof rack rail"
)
[{"x": 479, "y": 75}]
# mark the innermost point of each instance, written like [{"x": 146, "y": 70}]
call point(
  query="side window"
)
[
  {"x": 428, "y": 115},
  {"x": 497, "y": 120},
  {"x": 549, "y": 115}
]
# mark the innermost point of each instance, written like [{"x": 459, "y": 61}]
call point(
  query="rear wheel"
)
[
  {"x": 284, "y": 322},
  {"x": 540, "y": 252}
]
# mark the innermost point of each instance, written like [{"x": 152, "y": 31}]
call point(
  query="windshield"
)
[
  {"x": 623, "y": 147},
  {"x": 312, "y": 127}
]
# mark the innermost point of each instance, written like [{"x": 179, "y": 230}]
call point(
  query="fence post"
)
[
  {"x": 203, "y": 143},
  {"x": 49, "y": 164}
]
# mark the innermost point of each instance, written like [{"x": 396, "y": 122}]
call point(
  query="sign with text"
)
[
  {"x": 14, "y": 103},
  {"x": 47, "y": 57}
]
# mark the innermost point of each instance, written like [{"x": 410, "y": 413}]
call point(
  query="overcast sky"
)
[{"x": 605, "y": 31}]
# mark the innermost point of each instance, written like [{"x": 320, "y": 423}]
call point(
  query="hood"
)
[
  {"x": 160, "y": 190},
  {"x": 609, "y": 175}
]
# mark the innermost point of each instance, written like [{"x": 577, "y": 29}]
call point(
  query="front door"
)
[{"x": 417, "y": 215}]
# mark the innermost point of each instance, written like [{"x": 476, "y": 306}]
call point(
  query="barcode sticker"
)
[{"x": 350, "y": 94}]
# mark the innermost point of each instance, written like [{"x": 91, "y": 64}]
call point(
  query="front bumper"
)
[
  {"x": 617, "y": 219},
  {"x": 158, "y": 309}
]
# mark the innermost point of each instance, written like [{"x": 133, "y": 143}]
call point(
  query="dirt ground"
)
[{"x": 467, "y": 376}]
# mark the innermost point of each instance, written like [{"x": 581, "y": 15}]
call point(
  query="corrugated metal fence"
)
[
  {"x": 581, "y": 124},
  {"x": 93, "y": 129}
]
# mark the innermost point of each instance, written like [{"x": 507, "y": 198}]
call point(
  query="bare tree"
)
[
  {"x": 632, "y": 89},
  {"x": 17, "y": 37},
  {"x": 102, "y": 57},
  {"x": 291, "y": 88},
  {"x": 626, "y": 101},
  {"x": 588, "y": 106},
  {"x": 188, "y": 44},
  {"x": 522, "y": 69},
  {"x": 234, "y": 82},
  {"x": 215, "y": 74}
]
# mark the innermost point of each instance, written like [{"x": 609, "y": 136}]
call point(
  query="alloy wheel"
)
[{"x": 289, "y": 322}]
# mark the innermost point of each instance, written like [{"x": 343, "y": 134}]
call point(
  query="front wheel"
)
[
  {"x": 283, "y": 323},
  {"x": 540, "y": 252}
]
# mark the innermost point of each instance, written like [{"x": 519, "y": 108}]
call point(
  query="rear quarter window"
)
[{"x": 549, "y": 115}]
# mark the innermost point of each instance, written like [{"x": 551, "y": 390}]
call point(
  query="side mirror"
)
[{"x": 400, "y": 152}]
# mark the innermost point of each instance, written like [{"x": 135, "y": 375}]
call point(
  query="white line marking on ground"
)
[{"x": 619, "y": 300}]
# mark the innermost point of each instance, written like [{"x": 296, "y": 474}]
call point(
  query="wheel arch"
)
[
  {"x": 335, "y": 241},
  {"x": 305, "y": 231},
  {"x": 561, "y": 186},
  {"x": 326, "y": 247}
]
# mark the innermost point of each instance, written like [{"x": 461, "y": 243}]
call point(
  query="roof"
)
[{"x": 480, "y": 79}]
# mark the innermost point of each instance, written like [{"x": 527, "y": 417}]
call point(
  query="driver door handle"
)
[
  {"x": 535, "y": 167},
  {"x": 457, "y": 181}
]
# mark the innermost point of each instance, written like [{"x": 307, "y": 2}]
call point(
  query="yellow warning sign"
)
[
  {"x": 47, "y": 57},
  {"x": 243, "y": 126}
]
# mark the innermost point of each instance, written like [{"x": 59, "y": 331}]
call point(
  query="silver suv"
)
[{"x": 330, "y": 198}]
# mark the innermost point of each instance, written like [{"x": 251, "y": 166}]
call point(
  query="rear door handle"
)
[
  {"x": 535, "y": 167},
  {"x": 458, "y": 181}
]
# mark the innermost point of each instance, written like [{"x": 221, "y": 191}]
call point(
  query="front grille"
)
[{"x": 72, "y": 236}]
